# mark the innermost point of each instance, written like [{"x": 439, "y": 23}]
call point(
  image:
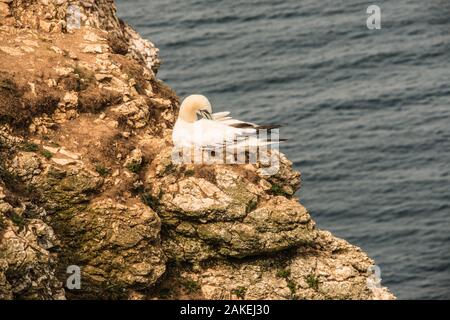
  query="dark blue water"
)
[{"x": 367, "y": 112}]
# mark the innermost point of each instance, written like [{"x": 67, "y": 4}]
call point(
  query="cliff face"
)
[{"x": 86, "y": 179}]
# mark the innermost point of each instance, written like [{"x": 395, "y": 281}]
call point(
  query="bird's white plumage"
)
[
  {"x": 221, "y": 115},
  {"x": 208, "y": 133},
  {"x": 224, "y": 117},
  {"x": 218, "y": 131}
]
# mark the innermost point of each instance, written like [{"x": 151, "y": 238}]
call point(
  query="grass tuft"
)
[
  {"x": 29, "y": 147},
  {"x": 284, "y": 273},
  {"x": 135, "y": 166},
  {"x": 312, "y": 281},
  {"x": 277, "y": 190},
  {"x": 47, "y": 154},
  {"x": 190, "y": 285},
  {"x": 239, "y": 292},
  {"x": 102, "y": 170}
]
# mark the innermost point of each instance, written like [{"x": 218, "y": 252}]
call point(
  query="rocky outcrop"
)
[
  {"x": 329, "y": 268},
  {"x": 223, "y": 211},
  {"x": 118, "y": 245},
  {"x": 27, "y": 259},
  {"x": 87, "y": 180}
]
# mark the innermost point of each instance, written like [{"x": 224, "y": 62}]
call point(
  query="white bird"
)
[{"x": 214, "y": 129}]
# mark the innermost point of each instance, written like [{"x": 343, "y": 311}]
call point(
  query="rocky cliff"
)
[{"x": 86, "y": 179}]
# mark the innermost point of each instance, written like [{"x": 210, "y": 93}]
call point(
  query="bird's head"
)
[{"x": 194, "y": 105}]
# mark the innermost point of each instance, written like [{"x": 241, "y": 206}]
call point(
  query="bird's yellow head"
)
[{"x": 193, "y": 105}]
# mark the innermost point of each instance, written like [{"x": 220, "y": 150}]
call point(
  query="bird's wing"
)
[
  {"x": 225, "y": 118},
  {"x": 210, "y": 134},
  {"x": 215, "y": 133},
  {"x": 220, "y": 115}
]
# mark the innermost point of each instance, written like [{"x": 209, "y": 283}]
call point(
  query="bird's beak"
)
[{"x": 205, "y": 114}]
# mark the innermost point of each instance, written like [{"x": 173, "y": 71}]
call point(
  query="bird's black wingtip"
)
[
  {"x": 245, "y": 125},
  {"x": 268, "y": 126}
]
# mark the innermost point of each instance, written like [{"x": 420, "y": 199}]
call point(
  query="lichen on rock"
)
[
  {"x": 27, "y": 263},
  {"x": 117, "y": 245}
]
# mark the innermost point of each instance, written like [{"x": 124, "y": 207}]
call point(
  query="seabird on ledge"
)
[{"x": 197, "y": 126}]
